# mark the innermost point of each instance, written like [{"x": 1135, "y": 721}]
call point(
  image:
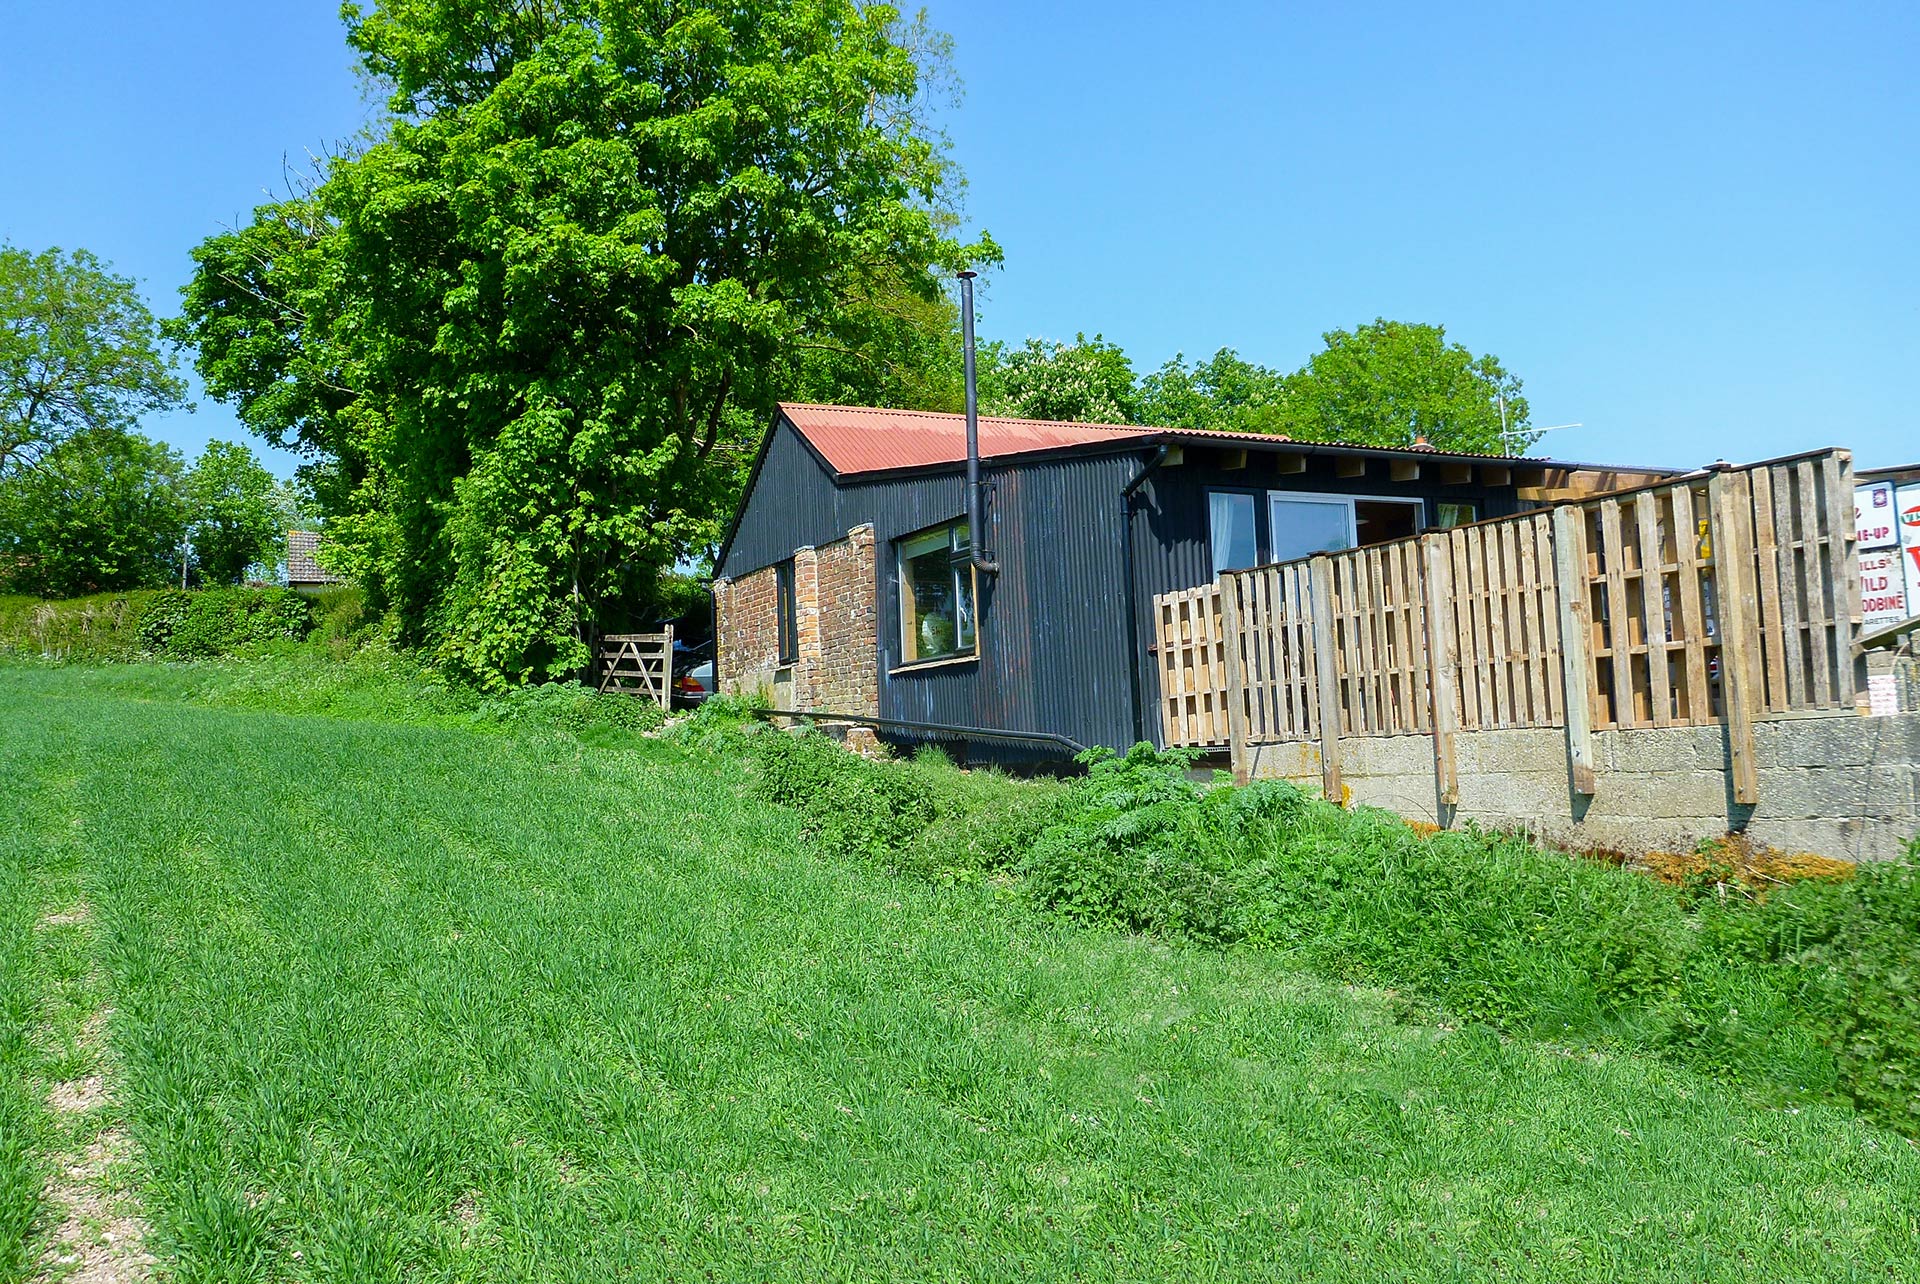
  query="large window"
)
[
  {"x": 785, "y": 614},
  {"x": 1236, "y": 530},
  {"x": 936, "y": 595},
  {"x": 1302, "y": 525},
  {"x": 1257, "y": 528}
]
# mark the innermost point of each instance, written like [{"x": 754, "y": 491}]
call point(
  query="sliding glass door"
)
[{"x": 1302, "y": 525}]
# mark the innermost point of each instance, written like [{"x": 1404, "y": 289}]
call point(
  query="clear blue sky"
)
[{"x": 1696, "y": 229}]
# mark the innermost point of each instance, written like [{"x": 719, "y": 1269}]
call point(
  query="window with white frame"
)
[
  {"x": 1297, "y": 524},
  {"x": 1302, "y": 525},
  {"x": 937, "y": 595}
]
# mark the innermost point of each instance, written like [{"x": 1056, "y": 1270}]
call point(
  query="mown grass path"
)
[{"x": 412, "y": 1000}]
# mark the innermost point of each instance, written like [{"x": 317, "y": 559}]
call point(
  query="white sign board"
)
[
  {"x": 1873, "y": 522},
  {"x": 1883, "y": 586},
  {"x": 1906, "y": 504}
]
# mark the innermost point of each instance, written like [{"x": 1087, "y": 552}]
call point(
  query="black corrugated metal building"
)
[{"x": 1053, "y": 648}]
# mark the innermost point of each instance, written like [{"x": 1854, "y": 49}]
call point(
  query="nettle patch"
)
[{"x": 1808, "y": 991}]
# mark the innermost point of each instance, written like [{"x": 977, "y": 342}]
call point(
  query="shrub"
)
[
  {"x": 1870, "y": 955},
  {"x": 1813, "y": 989},
  {"x": 212, "y": 622},
  {"x": 850, "y": 804},
  {"x": 570, "y": 707},
  {"x": 104, "y": 627},
  {"x": 340, "y": 615}
]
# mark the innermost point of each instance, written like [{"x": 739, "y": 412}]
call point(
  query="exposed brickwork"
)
[{"x": 837, "y": 667}]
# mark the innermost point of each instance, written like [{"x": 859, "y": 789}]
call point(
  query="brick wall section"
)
[{"x": 836, "y": 619}]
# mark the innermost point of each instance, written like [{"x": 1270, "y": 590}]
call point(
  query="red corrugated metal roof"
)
[
  {"x": 862, "y": 439},
  {"x": 865, "y": 439}
]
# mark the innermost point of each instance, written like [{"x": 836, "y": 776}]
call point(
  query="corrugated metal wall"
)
[
  {"x": 1171, "y": 543},
  {"x": 1053, "y": 632},
  {"x": 793, "y": 504},
  {"x": 1053, "y": 653}
]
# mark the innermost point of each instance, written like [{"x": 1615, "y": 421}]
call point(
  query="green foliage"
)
[
  {"x": 1379, "y": 384},
  {"x": 235, "y": 512},
  {"x": 79, "y": 353},
  {"x": 850, "y": 804},
  {"x": 1086, "y": 381},
  {"x": 340, "y": 616},
  {"x": 1384, "y": 383},
  {"x": 572, "y": 708},
  {"x": 530, "y": 335},
  {"x": 1808, "y": 992},
  {"x": 425, "y": 1001},
  {"x": 212, "y": 622},
  {"x": 1866, "y": 947},
  {"x": 1222, "y": 393},
  {"x": 87, "y": 630},
  {"x": 100, "y": 512},
  {"x": 23, "y": 1122}
]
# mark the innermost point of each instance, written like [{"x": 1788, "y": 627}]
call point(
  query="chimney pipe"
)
[{"x": 976, "y": 528}]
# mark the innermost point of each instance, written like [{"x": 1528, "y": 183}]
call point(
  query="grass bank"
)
[
  {"x": 410, "y": 999},
  {"x": 1798, "y": 992}
]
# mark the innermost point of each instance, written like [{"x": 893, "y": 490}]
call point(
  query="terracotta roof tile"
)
[{"x": 301, "y": 566}]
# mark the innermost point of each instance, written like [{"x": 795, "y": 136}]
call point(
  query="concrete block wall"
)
[
  {"x": 1836, "y": 784},
  {"x": 836, "y": 619}
]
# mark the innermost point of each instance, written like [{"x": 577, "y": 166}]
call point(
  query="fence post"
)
[
  {"x": 1326, "y": 679},
  {"x": 1443, "y": 664},
  {"x": 1236, "y": 679},
  {"x": 1850, "y": 662},
  {"x": 1576, "y": 641},
  {"x": 666, "y": 669},
  {"x": 1738, "y": 627}
]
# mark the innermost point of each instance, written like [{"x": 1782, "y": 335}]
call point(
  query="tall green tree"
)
[
  {"x": 1385, "y": 383},
  {"x": 233, "y": 512},
  {"x": 79, "y": 352},
  {"x": 100, "y": 511},
  {"x": 530, "y": 335},
  {"x": 1086, "y": 381},
  {"x": 1224, "y": 392}
]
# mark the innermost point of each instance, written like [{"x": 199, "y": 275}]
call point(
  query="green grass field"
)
[{"x": 436, "y": 1001}]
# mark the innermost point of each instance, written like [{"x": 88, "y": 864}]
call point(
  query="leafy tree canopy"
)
[
  {"x": 101, "y": 511},
  {"x": 529, "y": 336},
  {"x": 1379, "y": 384},
  {"x": 1222, "y": 393},
  {"x": 1386, "y": 382},
  {"x": 234, "y": 512},
  {"x": 1086, "y": 381},
  {"x": 79, "y": 352}
]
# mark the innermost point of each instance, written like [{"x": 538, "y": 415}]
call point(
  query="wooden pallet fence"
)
[
  {"x": 1190, "y": 641},
  {"x": 638, "y": 664},
  {"x": 1624, "y": 611}
]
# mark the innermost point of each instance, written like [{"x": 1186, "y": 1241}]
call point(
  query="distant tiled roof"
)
[
  {"x": 863, "y": 439},
  {"x": 301, "y": 566}
]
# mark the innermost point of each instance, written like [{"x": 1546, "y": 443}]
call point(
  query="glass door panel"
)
[{"x": 1302, "y": 526}]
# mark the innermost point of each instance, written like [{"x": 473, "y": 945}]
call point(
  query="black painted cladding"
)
[{"x": 1053, "y": 631}]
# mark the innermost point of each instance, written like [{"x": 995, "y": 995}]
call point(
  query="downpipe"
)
[{"x": 976, "y": 529}]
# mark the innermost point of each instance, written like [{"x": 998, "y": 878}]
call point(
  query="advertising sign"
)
[
  {"x": 1906, "y": 503},
  {"x": 1873, "y": 516},
  {"x": 1883, "y": 586}
]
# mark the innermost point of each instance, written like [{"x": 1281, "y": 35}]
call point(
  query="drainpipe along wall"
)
[{"x": 1130, "y": 589}]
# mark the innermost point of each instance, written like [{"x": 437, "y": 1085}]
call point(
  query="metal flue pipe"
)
[{"x": 976, "y": 527}]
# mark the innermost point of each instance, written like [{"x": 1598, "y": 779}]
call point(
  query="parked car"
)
[{"x": 692, "y": 673}]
